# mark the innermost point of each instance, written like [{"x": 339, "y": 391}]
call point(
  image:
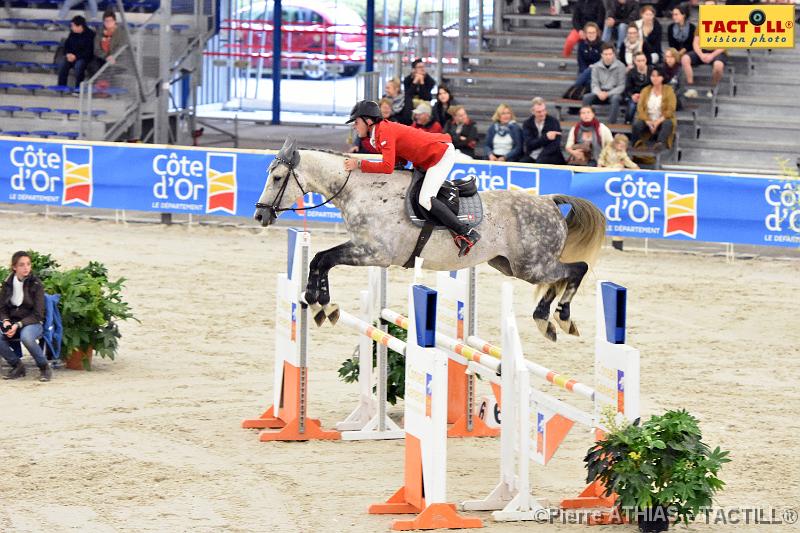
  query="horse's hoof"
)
[
  {"x": 568, "y": 326},
  {"x": 319, "y": 315},
  {"x": 332, "y": 312},
  {"x": 324, "y": 299},
  {"x": 547, "y": 328}
]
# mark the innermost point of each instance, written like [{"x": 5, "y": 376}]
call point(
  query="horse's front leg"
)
[{"x": 317, "y": 293}]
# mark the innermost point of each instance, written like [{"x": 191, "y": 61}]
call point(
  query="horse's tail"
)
[{"x": 586, "y": 230}]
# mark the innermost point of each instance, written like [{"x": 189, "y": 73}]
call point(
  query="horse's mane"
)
[{"x": 342, "y": 154}]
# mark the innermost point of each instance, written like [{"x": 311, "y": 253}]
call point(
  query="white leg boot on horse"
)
[{"x": 523, "y": 236}]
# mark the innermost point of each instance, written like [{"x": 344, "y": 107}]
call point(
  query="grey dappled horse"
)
[{"x": 524, "y": 236}]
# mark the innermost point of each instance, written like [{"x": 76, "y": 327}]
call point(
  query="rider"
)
[{"x": 432, "y": 152}]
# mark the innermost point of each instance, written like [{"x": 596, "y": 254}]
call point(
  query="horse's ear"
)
[{"x": 287, "y": 151}]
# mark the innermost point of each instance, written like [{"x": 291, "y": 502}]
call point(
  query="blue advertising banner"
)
[
  {"x": 702, "y": 207},
  {"x": 664, "y": 205}
]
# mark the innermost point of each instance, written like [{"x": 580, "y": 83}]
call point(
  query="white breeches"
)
[{"x": 435, "y": 176}]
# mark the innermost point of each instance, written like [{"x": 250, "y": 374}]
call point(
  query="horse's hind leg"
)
[
  {"x": 541, "y": 315},
  {"x": 566, "y": 276},
  {"x": 575, "y": 274}
]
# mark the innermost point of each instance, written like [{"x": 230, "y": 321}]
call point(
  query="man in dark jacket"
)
[
  {"x": 78, "y": 51},
  {"x": 542, "y": 136},
  {"x": 418, "y": 84},
  {"x": 22, "y": 313},
  {"x": 636, "y": 79}
]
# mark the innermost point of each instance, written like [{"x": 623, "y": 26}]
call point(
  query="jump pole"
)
[{"x": 286, "y": 419}]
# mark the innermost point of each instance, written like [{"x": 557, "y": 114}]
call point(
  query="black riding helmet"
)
[{"x": 365, "y": 109}]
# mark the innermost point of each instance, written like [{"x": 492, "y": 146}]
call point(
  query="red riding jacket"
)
[{"x": 395, "y": 140}]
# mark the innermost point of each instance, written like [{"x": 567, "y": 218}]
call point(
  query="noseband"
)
[{"x": 273, "y": 208}]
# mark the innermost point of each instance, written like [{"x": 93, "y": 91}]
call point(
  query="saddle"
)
[{"x": 461, "y": 196}]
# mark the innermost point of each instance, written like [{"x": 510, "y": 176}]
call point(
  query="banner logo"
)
[
  {"x": 77, "y": 175},
  {"x": 680, "y": 205},
  {"x": 762, "y": 26},
  {"x": 523, "y": 179},
  {"x": 221, "y": 183}
]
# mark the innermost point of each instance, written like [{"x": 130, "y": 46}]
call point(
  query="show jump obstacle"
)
[{"x": 533, "y": 423}]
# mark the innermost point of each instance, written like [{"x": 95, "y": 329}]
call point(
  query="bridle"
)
[{"x": 273, "y": 208}]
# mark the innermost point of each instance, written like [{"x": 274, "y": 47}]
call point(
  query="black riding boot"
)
[{"x": 464, "y": 236}]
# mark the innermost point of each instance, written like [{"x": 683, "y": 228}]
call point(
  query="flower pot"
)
[
  {"x": 654, "y": 519},
  {"x": 76, "y": 359}
]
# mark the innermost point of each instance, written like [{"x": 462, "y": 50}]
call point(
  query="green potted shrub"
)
[
  {"x": 91, "y": 306},
  {"x": 396, "y": 363},
  {"x": 659, "y": 468}
]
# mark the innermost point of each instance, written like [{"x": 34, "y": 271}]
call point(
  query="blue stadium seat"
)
[
  {"x": 7, "y": 86},
  {"x": 10, "y": 109},
  {"x": 44, "y": 133},
  {"x": 15, "y": 133},
  {"x": 26, "y": 64},
  {"x": 42, "y": 22},
  {"x": 38, "y": 110},
  {"x": 15, "y": 21},
  {"x": 70, "y": 134},
  {"x": 99, "y": 112},
  {"x": 47, "y": 66},
  {"x": 62, "y": 89},
  {"x": 66, "y": 112},
  {"x": 4, "y": 63},
  {"x": 94, "y": 24},
  {"x": 180, "y": 27},
  {"x": 48, "y": 44},
  {"x": 32, "y": 87},
  {"x": 115, "y": 91},
  {"x": 20, "y": 42}
]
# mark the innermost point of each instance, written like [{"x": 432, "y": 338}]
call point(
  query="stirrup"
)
[{"x": 466, "y": 242}]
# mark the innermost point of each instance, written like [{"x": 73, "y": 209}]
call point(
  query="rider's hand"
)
[{"x": 350, "y": 164}]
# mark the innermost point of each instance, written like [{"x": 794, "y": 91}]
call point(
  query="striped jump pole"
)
[
  {"x": 559, "y": 380},
  {"x": 447, "y": 343}
]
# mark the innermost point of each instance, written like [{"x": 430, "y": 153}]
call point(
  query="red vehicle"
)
[{"x": 318, "y": 38}]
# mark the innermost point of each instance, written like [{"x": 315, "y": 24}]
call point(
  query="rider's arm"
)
[{"x": 386, "y": 144}]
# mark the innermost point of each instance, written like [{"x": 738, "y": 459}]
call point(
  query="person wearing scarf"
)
[
  {"x": 588, "y": 54},
  {"x": 587, "y": 139},
  {"x": 504, "y": 138},
  {"x": 109, "y": 39},
  {"x": 681, "y": 32},
  {"x": 632, "y": 45},
  {"x": 401, "y": 106}
]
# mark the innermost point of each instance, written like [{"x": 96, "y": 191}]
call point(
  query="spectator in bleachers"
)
[
  {"x": 109, "y": 39},
  {"x": 423, "y": 119},
  {"x": 637, "y": 79},
  {"x": 651, "y": 32},
  {"x": 462, "y": 130},
  {"x": 615, "y": 154},
  {"x": 401, "y": 106},
  {"x": 588, "y": 54},
  {"x": 700, "y": 56},
  {"x": 671, "y": 67},
  {"x": 504, "y": 138},
  {"x": 631, "y": 45},
  {"x": 541, "y": 135},
  {"x": 78, "y": 51},
  {"x": 681, "y": 32},
  {"x": 655, "y": 114},
  {"x": 587, "y": 139},
  {"x": 625, "y": 12},
  {"x": 583, "y": 11},
  {"x": 608, "y": 82},
  {"x": 69, "y": 4},
  {"x": 419, "y": 84},
  {"x": 444, "y": 99}
]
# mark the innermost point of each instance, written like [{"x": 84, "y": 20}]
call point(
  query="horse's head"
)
[{"x": 282, "y": 187}]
